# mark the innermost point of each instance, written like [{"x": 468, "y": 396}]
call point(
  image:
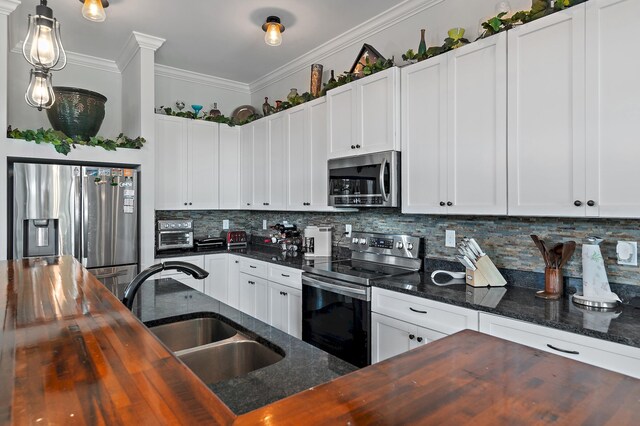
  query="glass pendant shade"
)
[
  {"x": 273, "y": 31},
  {"x": 94, "y": 11},
  {"x": 42, "y": 47},
  {"x": 40, "y": 91}
]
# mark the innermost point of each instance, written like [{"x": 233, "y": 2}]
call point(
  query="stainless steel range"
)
[{"x": 336, "y": 295}]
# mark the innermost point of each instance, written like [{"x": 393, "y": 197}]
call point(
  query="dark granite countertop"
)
[
  {"x": 519, "y": 302},
  {"x": 304, "y": 366}
]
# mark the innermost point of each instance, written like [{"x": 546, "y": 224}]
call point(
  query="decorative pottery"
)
[
  {"x": 180, "y": 105},
  {"x": 332, "y": 79},
  {"x": 215, "y": 112},
  {"x": 196, "y": 109},
  {"x": 292, "y": 95},
  {"x": 278, "y": 104},
  {"x": 242, "y": 113},
  {"x": 316, "y": 80},
  {"x": 422, "y": 47},
  {"x": 78, "y": 113},
  {"x": 267, "y": 109}
]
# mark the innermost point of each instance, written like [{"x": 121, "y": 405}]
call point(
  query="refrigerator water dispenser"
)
[{"x": 40, "y": 237}]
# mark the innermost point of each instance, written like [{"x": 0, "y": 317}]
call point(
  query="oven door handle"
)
[
  {"x": 357, "y": 292},
  {"x": 383, "y": 190}
]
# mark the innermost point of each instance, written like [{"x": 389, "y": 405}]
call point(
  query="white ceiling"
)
[{"x": 214, "y": 37}]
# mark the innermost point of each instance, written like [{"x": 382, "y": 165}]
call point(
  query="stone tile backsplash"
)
[{"x": 505, "y": 239}]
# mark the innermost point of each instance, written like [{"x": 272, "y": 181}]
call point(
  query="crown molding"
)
[
  {"x": 8, "y": 6},
  {"x": 202, "y": 79},
  {"x": 358, "y": 34},
  {"x": 135, "y": 42},
  {"x": 80, "y": 59}
]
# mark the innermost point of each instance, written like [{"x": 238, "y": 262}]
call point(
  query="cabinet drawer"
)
[
  {"x": 436, "y": 316},
  {"x": 253, "y": 267},
  {"x": 286, "y": 276},
  {"x": 612, "y": 356},
  {"x": 195, "y": 260}
]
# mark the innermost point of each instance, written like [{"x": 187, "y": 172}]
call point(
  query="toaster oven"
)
[{"x": 174, "y": 234}]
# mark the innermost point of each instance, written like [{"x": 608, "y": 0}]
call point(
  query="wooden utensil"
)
[
  {"x": 567, "y": 251},
  {"x": 556, "y": 255},
  {"x": 540, "y": 244}
]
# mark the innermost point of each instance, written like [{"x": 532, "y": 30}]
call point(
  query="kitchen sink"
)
[
  {"x": 227, "y": 360},
  {"x": 190, "y": 333},
  {"x": 213, "y": 349}
]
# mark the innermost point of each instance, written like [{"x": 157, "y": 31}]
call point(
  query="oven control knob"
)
[
  {"x": 409, "y": 246},
  {"x": 363, "y": 241},
  {"x": 399, "y": 245}
]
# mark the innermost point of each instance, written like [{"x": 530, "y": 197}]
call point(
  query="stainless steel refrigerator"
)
[{"x": 90, "y": 213}]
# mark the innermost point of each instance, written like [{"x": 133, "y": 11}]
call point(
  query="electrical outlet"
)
[
  {"x": 347, "y": 229},
  {"x": 449, "y": 238},
  {"x": 627, "y": 252},
  {"x": 264, "y": 225},
  {"x": 225, "y": 224}
]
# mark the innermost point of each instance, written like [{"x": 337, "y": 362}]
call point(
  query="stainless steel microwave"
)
[{"x": 371, "y": 180}]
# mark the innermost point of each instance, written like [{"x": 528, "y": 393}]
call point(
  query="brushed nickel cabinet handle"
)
[{"x": 566, "y": 351}]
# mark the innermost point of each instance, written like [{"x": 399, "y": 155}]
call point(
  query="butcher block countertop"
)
[{"x": 71, "y": 353}]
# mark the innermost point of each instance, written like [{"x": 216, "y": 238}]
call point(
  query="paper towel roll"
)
[{"x": 595, "y": 284}]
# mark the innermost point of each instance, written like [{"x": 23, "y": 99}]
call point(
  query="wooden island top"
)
[{"x": 71, "y": 353}]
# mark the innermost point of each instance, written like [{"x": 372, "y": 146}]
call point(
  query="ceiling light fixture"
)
[
  {"x": 93, "y": 10},
  {"x": 42, "y": 48},
  {"x": 273, "y": 29}
]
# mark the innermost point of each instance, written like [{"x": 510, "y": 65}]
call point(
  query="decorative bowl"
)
[{"x": 78, "y": 113}]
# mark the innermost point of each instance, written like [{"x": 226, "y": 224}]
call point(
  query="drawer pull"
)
[
  {"x": 251, "y": 282},
  {"x": 415, "y": 310},
  {"x": 285, "y": 275},
  {"x": 419, "y": 339},
  {"x": 411, "y": 337},
  {"x": 563, "y": 350},
  {"x": 252, "y": 267}
]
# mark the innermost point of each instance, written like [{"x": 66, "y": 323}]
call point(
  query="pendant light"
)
[
  {"x": 42, "y": 46},
  {"x": 93, "y": 10},
  {"x": 40, "y": 92},
  {"x": 273, "y": 29}
]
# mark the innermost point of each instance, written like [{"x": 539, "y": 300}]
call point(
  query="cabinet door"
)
[
  {"x": 378, "y": 112},
  {"x": 477, "y": 128},
  {"x": 262, "y": 301},
  {"x": 546, "y": 144},
  {"x": 230, "y": 167},
  {"x": 246, "y": 167},
  {"x": 341, "y": 125},
  {"x": 294, "y": 312},
  {"x": 233, "y": 289},
  {"x": 191, "y": 282},
  {"x": 390, "y": 337},
  {"x": 613, "y": 110},
  {"x": 216, "y": 284},
  {"x": 297, "y": 157},
  {"x": 276, "y": 166},
  {"x": 247, "y": 294},
  {"x": 318, "y": 189},
  {"x": 260, "y": 165},
  {"x": 424, "y": 137},
  {"x": 171, "y": 163},
  {"x": 278, "y": 315},
  {"x": 202, "y": 169}
]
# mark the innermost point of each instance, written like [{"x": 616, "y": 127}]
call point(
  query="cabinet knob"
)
[
  {"x": 358, "y": 146},
  {"x": 419, "y": 339},
  {"x": 237, "y": 261},
  {"x": 284, "y": 293},
  {"x": 353, "y": 147},
  {"x": 577, "y": 203},
  {"x": 248, "y": 204},
  {"x": 449, "y": 203},
  {"x": 185, "y": 204},
  {"x": 411, "y": 337},
  {"x": 591, "y": 203},
  {"x": 190, "y": 204},
  {"x": 442, "y": 203}
]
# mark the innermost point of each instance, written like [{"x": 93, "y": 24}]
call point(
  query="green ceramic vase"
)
[{"x": 78, "y": 113}]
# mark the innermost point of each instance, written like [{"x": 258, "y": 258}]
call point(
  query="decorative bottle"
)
[{"x": 422, "y": 48}]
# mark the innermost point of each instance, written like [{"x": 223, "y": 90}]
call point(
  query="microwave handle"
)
[{"x": 383, "y": 190}]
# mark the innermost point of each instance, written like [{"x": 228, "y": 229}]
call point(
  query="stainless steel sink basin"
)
[
  {"x": 187, "y": 334},
  {"x": 227, "y": 360}
]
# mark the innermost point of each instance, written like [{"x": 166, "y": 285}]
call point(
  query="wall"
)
[
  {"x": 505, "y": 239},
  {"x": 393, "y": 41},
  {"x": 107, "y": 83}
]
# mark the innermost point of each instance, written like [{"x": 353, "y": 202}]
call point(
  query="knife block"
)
[{"x": 486, "y": 274}]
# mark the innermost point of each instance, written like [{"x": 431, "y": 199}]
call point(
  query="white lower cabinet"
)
[
  {"x": 182, "y": 277},
  {"x": 401, "y": 322},
  {"x": 233, "y": 277},
  {"x": 216, "y": 284},
  {"x": 285, "y": 309},
  {"x": 611, "y": 356},
  {"x": 253, "y": 296}
]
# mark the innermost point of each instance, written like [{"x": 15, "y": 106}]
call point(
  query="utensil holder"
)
[
  {"x": 485, "y": 275},
  {"x": 553, "y": 284}
]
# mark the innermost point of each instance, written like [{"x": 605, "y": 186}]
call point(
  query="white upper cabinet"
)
[
  {"x": 613, "y": 108},
  {"x": 306, "y": 134},
  {"x": 230, "y": 167},
  {"x": 260, "y": 164},
  {"x": 277, "y": 163},
  {"x": 186, "y": 164},
  {"x": 454, "y": 149},
  {"x": 364, "y": 116},
  {"x": 546, "y": 75},
  {"x": 246, "y": 166}
]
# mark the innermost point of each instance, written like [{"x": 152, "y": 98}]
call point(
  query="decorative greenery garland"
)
[{"x": 63, "y": 144}]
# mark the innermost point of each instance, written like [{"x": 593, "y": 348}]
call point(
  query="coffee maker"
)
[{"x": 317, "y": 241}]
